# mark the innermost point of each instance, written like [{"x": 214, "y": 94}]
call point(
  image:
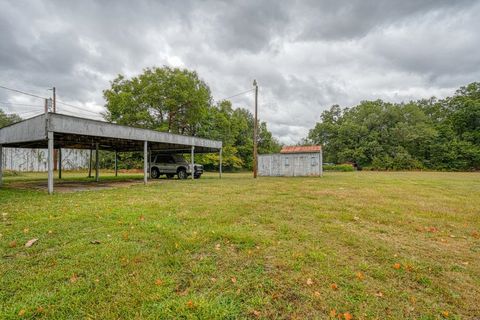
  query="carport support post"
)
[
  {"x": 50, "y": 162},
  {"x": 59, "y": 163},
  {"x": 96, "y": 163},
  {"x": 116, "y": 163},
  {"x": 90, "y": 165},
  {"x": 220, "y": 164},
  {"x": 145, "y": 162},
  {"x": 1, "y": 165},
  {"x": 192, "y": 166}
]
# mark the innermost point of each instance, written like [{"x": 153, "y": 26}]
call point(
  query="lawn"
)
[{"x": 366, "y": 245}]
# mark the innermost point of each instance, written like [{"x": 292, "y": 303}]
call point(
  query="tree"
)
[
  {"x": 165, "y": 99},
  {"x": 7, "y": 119}
]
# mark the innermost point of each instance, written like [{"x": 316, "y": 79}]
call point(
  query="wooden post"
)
[
  {"x": 59, "y": 163},
  {"x": 192, "y": 165},
  {"x": 90, "y": 165},
  {"x": 50, "y": 162},
  {"x": 1, "y": 165},
  {"x": 97, "y": 177},
  {"x": 220, "y": 164},
  {"x": 145, "y": 162},
  {"x": 116, "y": 164}
]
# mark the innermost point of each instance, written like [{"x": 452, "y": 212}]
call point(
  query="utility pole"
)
[
  {"x": 54, "y": 100},
  {"x": 255, "y": 133}
]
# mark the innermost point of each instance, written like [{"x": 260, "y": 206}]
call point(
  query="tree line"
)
[{"x": 438, "y": 134}]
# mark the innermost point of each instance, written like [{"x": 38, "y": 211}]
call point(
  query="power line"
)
[
  {"x": 22, "y": 92},
  {"x": 20, "y": 104},
  {"x": 79, "y": 108},
  {"x": 236, "y": 95}
]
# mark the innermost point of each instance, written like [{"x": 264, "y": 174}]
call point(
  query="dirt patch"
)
[{"x": 74, "y": 186}]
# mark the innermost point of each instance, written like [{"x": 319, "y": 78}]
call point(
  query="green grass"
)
[{"x": 172, "y": 249}]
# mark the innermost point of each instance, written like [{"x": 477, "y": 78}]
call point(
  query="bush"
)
[{"x": 338, "y": 167}]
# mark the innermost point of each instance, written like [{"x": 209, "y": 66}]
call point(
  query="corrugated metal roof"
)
[{"x": 301, "y": 149}]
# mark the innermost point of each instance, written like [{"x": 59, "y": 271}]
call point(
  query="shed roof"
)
[
  {"x": 301, "y": 149},
  {"x": 80, "y": 133}
]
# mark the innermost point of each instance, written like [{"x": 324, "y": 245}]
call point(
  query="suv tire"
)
[
  {"x": 155, "y": 174},
  {"x": 182, "y": 174}
]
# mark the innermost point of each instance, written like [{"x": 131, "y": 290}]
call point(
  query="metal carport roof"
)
[{"x": 53, "y": 131}]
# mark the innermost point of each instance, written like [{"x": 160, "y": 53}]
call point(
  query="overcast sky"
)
[{"x": 305, "y": 55}]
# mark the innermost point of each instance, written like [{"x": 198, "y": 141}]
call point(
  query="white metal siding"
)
[
  {"x": 19, "y": 159},
  {"x": 299, "y": 164}
]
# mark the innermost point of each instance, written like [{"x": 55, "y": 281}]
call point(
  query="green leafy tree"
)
[
  {"x": 7, "y": 119},
  {"x": 165, "y": 99},
  {"x": 437, "y": 134}
]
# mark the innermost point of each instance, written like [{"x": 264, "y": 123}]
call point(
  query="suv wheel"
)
[
  {"x": 182, "y": 174},
  {"x": 155, "y": 174},
  {"x": 197, "y": 176}
]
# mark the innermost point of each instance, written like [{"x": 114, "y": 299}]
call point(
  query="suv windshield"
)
[{"x": 166, "y": 158}]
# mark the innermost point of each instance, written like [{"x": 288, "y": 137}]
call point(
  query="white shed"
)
[{"x": 292, "y": 161}]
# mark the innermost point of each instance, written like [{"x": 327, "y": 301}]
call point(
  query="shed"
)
[
  {"x": 292, "y": 161},
  {"x": 57, "y": 131}
]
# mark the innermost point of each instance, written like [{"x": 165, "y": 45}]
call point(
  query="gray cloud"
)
[{"x": 306, "y": 55}]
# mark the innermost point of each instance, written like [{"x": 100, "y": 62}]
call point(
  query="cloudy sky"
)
[{"x": 305, "y": 55}]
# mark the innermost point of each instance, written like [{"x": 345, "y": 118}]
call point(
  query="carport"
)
[{"x": 56, "y": 131}]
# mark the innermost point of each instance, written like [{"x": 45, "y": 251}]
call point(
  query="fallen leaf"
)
[
  {"x": 217, "y": 246},
  {"x": 125, "y": 235},
  {"x": 95, "y": 242},
  {"x": 30, "y": 242},
  {"x": 397, "y": 266},
  {"x": 73, "y": 278},
  {"x": 309, "y": 282},
  {"x": 317, "y": 294},
  {"x": 213, "y": 279},
  {"x": 50, "y": 231},
  {"x": 379, "y": 294},
  {"x": 476, "y": 234},
  {"x": 12, "y": 244},
  {"x": 40, "y": 310},
  {"x": 356, "y": 218},
  {"x": 347, "y": 316},
  {"x": 21, "y": 313},
  {"x": 26, "y": 230},
  {"x": 334, "y": 286},
  {"x": 256, "y": 313},
  {"x": 409, "y": 267},
  {"x": 360, "y": 275},
  {"x": 158, "y": 282},
  {"x": 190, "y": 304},
  {"x": 333, "y": 313},
  {"x": 445, "y": 314},
  {"x": 431, "y": 229},
  {"x": 142, "y": 218},
  {"x": 234, "y": 280}
]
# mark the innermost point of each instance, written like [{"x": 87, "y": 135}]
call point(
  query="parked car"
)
[{"x": 173, "y": 164}]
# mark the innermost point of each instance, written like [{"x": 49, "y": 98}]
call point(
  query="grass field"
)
[{"x": 364, "y": 245}]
